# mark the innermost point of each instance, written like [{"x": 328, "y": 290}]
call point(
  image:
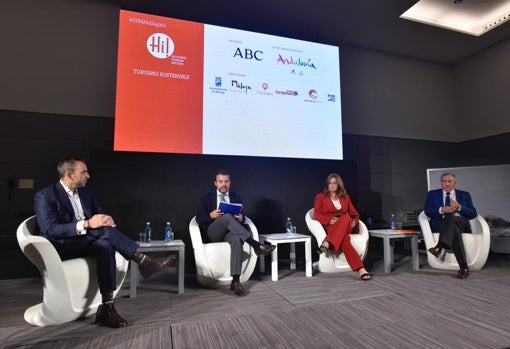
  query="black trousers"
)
[
  {"x": 450, "y": 230},
  {"x": 101, "y": 244}
]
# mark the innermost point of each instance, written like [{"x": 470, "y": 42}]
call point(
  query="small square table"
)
[
  {"x": 158, "y": 246},
  {"x": 280, "y": 238},
  {"x": 388, "y": 235}
]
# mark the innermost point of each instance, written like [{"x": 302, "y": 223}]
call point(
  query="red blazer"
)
[{"x": 324, "y": 209}]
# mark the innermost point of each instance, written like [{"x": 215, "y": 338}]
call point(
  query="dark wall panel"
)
[{"x": 136, "y": 187}]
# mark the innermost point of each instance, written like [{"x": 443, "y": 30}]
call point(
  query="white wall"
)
[
  {"x": 394, "y": 96},
  {"x": 482, "y": 92},
  {"x": 58, "y": 56}
]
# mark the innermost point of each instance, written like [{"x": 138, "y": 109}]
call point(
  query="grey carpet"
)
[{"x": 407, "y": 309}]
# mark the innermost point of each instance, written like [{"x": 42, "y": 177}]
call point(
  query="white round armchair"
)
[
  {"x": 333, "y": 263},
  {"x": 476, "y": 244},
  {"x": 70, "y": 288},
  {"x": 213, "y": 259}
]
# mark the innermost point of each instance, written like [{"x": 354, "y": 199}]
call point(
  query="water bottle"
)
[
  {"x": 393, "y": 222},
  {"x": 147, "y": 232},
  {"x": 169, "y": 233},
  {"x": 288, "y": 227}
]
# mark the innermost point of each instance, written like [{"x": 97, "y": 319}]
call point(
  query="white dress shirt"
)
[{"x": 74, "y": 198}]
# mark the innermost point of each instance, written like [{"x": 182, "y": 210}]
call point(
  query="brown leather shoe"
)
[
  {"x": 435, "y": 251},
  {"x": 463, "y": 273},
  {"x": 107, "y": 315},
  {"x": 264, "y": 250},
  {"x": 237, "y": 288},
  {"x": 154, "y": 265}
]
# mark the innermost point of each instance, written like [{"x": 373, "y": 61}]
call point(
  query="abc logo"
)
[{"x": 249, "y": 54}]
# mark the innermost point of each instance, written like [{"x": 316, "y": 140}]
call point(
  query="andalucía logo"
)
[
  {"x": 160, "y": 45},
  {"x": 298, "y": 62}
]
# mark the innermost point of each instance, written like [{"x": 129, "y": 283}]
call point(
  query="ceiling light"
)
[{"x": 474, "y": 17}]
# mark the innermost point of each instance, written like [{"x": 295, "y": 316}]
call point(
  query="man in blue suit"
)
[
  {"x": 70, "y": 217},
  {"x": 216, "y": 226},
  {"x": 450, "y": 210}
]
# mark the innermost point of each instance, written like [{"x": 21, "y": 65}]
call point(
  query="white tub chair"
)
[
  {"x": 476, "y": 244},
  {"x": 70, "y": 288},
  {"x": 334, "y": 263},
  {"x": 213, "y": 259}
]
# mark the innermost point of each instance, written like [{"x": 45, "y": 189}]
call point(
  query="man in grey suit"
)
[
  {"x": 450, "y": 210},
  {"x": 70, "y": 217},
  {"x": 216, "y": 226}
]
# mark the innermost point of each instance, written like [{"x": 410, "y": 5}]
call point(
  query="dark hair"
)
[
  {"x": 67, "y": 164},
  {"x": 221, "y": 173},
  {"x": 341, "y": 188}
]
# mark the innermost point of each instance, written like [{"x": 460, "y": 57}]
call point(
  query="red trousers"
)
[{"x": 340, "y": 241}]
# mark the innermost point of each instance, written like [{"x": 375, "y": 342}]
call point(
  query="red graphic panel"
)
[{"x": 159, "y": 85}]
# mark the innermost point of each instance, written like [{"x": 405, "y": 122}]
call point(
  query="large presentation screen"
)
[{"x": 192, "y": 88}]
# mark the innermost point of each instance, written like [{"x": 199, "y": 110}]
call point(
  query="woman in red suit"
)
[{"x": 334, "y": 210}]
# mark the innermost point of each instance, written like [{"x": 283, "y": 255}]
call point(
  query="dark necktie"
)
[
  {"x": 222, "y": 197},
  {"x": 447, "y": 201}
]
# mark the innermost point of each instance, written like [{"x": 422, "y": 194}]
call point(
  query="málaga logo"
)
[{"x": 160, "y": 45}]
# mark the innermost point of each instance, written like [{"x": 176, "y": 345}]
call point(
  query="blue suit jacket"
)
[
  {"x": 55, "y": 214},
  {"x": 435, "y": 200},
  {"x": 209, "y": 202}
]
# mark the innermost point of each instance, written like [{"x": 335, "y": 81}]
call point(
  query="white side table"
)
[
  {"x": 279, "y": 238},
  {"x": 158, "y": 246},
  {"x": 388, "y": 235}
]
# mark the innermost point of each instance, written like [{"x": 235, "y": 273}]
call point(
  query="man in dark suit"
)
[
  {"x": 450, "y": 210},
  {"x": 215, "y": 226},
  {"x": 69, "y": 216}
]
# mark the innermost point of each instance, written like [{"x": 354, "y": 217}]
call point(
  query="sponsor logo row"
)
[
  {"x": 162, "y": 46},
  {"x": 237, "y": 86}
]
